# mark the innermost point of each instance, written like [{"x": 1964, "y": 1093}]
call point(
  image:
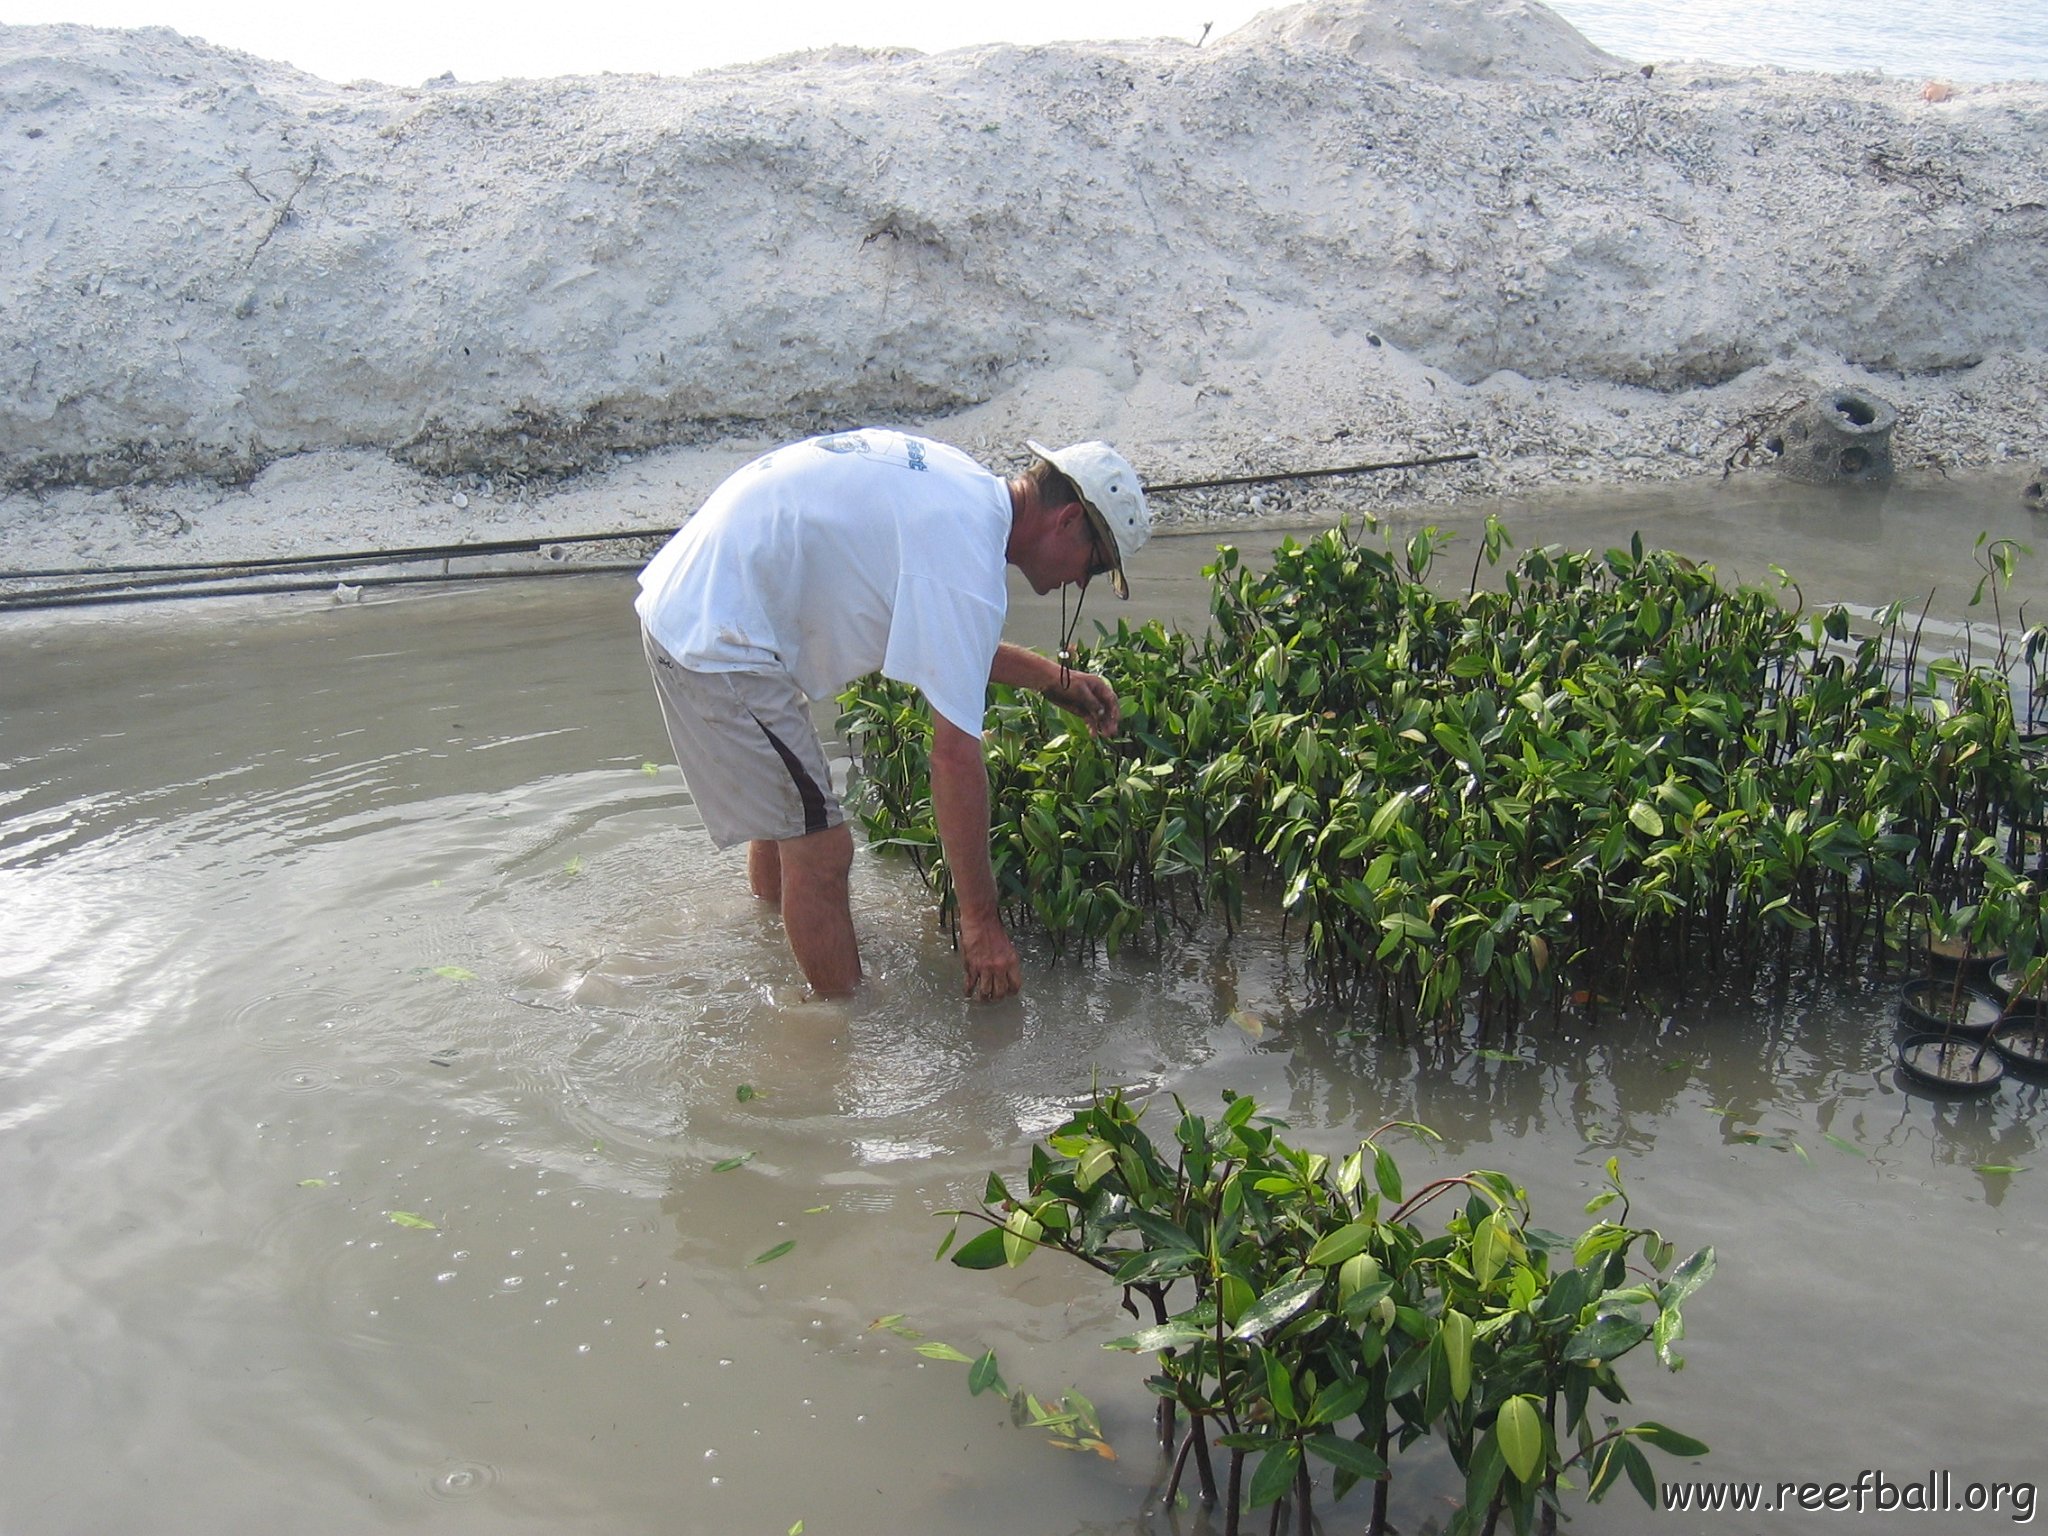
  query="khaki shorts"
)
[{"x": 748, "y": 750}]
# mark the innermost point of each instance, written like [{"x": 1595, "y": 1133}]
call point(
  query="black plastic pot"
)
[
  {"x": 1952, "y": 955},
  {"x": 2023, "y": 1043},
  {"x": 1950, "y": 1063},
  {"x": 1924, "y": 1004},
  {"x": 2003, "y": 982}
]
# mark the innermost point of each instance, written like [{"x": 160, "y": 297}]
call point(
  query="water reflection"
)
[{"x": 277, "y": 978}]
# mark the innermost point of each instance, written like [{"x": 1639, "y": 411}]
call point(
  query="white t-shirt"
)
[{"x": 840, "y": 556}]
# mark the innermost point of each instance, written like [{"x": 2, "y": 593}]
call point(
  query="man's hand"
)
[
  {"x": 990, "y": 960},
  {"x": 1092, "y": 699}
]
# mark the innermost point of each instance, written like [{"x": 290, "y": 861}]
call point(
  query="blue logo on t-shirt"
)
[
  {"x": 916, "y": 450},
  {"x": 845, "y": 442}
]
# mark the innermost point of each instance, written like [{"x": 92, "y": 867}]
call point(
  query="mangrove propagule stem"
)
[
  {"x": 1205, "y": 1469},
  {"x": 1179, "y": 1464}
]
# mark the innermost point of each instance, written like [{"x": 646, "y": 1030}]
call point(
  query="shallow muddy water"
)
[{"x": 313, "y": 916}]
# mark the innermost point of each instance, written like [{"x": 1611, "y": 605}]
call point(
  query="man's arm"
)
[
  {"x": 960, "y": 803},
  {"x": 1086, "y": 695}
]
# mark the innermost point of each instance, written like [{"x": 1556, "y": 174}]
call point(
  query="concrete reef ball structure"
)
[{"x": 1841, "y": 438}]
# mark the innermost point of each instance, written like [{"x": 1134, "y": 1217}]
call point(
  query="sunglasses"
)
[{"x": 1099, "y": 562}]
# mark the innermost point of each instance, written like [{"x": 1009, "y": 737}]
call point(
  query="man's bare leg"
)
[
  {"x": 817, "y": 911},
  {"x": 764, "y": 871}
]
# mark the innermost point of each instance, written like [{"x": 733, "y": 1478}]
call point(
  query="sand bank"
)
[{"x": 251, "y": 311}]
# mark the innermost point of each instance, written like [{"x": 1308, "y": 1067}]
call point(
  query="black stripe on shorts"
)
[{"x": 806, "y": 787}]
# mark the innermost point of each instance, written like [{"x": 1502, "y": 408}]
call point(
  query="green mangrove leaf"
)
[
  {"x": 1608, "y": 1335},
  {"x": 1665, "y": 1333},
  {"x": 1021, "y": 1232},
  {"x": 1095, "y": 1165},
  {"x": 932, "y": 1349},
  {"x": 1278, "y": 1305},
  {"x": 1386, "y": 1174},
  {"x": 1520, "y": 1430},
  {"x": 1495, "y": 1243},
  {"x": 727, "y": 1164},
  {"x": 1668, "y": 1440},
  {"x": 1356, "y": 1273},
  {"x": 1280, "y": 1387},
  {"x": 1237, "y": 1297},
  {"x": 1338, "y": 1246},
  {"x": 1456, "y": 1333},
  {"x": 983, "y": 1376},
  {"x": 1695, "y": 1272},
  {"x": 1339, "y": 1400},
  {"x": 1607, "y": 1468},
  {"x": 1276, "y": 1473},
  {"x": 1637, "y": 1465},
  {"x": 409, "y": 1219},
  {"x": 773, "y": 1253},
  {"x": 984, "y": 1250},
  {"x": 1360, "y": 1461},
  {"x": 1172, "y": 1334}
]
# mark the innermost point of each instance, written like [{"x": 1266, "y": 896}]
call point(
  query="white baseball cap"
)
[{"x": 1114, "y": 499}]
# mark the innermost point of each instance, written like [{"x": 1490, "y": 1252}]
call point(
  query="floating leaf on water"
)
[
  {"x": 1251, "y": 1024},
  {"x": 1490, "y": 1055},
  {"x": 312, "y": 1183},
  {"x": 746, "y": 1093},
  {"x": 408, "y": 1219},
  {"x": 798, "y": 1528},
  {"x": 933, "y": 1349},
  {"x": 773, "y": 1253},
  {"x": 816, "y": 1210},
  {"x": 651, "y": 769},
  {"x": 2000, "y": 1168},
  {"x": 455, "y": 973},
  {"x": 727, "y": 1164},
  {"x": 985, "y": 1376},
  {"x": 574, "y": 866},
  {"x": 1844, "y": 1144}
]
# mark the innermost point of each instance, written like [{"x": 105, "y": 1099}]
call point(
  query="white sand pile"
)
[{"x": 249, "y": 311}]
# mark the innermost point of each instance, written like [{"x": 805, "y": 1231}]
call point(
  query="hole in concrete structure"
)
[
  {"x": 1857, "y": 410},
  {"x": 1774, "y": 444},
  {"x": 1854, "y": 461}
]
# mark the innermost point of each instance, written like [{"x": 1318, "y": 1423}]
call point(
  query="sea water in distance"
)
[{"x": 1953, "y": 40}]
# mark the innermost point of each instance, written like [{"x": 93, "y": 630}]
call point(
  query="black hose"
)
[
  {"x": 200, "y": 578},
  {"x": 91, "y": 597},
  {"x": 1274, "y": 477},
  {"x": 355, "y": 557}
]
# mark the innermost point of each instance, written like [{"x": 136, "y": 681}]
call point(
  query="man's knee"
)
[{"x": 817, "y": 858}]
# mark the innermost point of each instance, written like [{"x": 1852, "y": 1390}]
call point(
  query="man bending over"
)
[{"x": 861, "y": 552}]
